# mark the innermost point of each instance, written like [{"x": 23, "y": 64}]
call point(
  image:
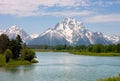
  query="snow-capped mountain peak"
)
[
  {"x": 69, "y": 32},
  {"x": 14, "y": 28},
  {"x": 13, "y": 31},
  {"x": 70, "y": 27},
  {"x": 69, "y": 23},
  {"x": 114, "y": 39}
]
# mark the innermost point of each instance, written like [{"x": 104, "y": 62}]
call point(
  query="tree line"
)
[
  {"x": 15, "y": 49},
  {"x": 97, "y": 48}
]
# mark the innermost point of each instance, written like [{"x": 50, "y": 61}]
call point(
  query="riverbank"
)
[
  {"x": 17, "y": 62},
  {"x": 114, "y": 78},
  {"x": 96, "y": 50},
  {"x": 78, "y": 52},
  {"x": 94, "y": 54},
  {"x": 20, "y": 62}
]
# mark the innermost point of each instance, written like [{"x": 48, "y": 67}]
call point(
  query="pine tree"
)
[
  {"x": 16, "y": 46},
  {"x": 4, "y": 42}
]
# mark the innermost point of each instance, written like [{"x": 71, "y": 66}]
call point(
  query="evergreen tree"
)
[
  {"x": 59, "y": 47},
  {"x": 16, "y": 46},
  {"x": 4, "y": 42},
  {"x": 65, "y": 46},
  {"x": 13, "y": 48},
  {"x": 90, "y": 48},
  {"x": 24, "y": 46},
  {"x": 117, "y": 48}
]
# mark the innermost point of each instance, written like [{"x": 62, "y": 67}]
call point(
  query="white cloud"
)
[
  {"x": 17, "y": 7},
  {"x": 103, "y": 18},
  {"x": 33, "y": 8},
  {"x": 104, "y": 3},
  {"x": 69, "y": 13},
  {"x": 36, "y": 7},
  {"x": 63, "y": 2}
]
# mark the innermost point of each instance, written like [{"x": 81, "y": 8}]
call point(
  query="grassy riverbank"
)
[
  {"x": 49, "y": 50},
  {"x": 20, "y": 62},
  {"x": 94, "y": 50},
  {"x": 94, "y": 54},
  {"x": 14, "y": 52},
  {"x": 114, "y": 78},
  {"x": 78, "y": 52},
  {"x": 12, "y": 62}
]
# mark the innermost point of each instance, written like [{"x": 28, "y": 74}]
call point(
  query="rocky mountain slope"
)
[{"x": 69, "y": 32}]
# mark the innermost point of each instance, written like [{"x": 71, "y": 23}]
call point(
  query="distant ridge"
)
[{"x": 69, "y": 32}]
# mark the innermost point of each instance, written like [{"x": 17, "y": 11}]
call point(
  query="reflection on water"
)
[
  {"x": 20, "y": 70},
  {"x": 63, "y": 67}
]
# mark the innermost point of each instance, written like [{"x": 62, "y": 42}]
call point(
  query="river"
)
[{"x": 62, "y": 66}]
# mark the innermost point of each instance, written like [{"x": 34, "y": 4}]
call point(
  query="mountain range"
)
[{"x": 69, "y": 32}]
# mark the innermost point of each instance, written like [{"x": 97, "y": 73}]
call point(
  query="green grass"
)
[
  {"x": 49, "y": 50},
  {"x": 18, "y": 62},
  {"x": 78, "y": 52},
  {"x": 2, "y": 60},
  {"x": 42, "y": 50},
  {"x": 15, "y": 62},
  {"x": 94, "y": 54},
  {"x": 115, "y": 78}
]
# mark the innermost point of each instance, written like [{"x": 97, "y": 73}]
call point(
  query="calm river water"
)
[{"x": 61, "y": 66}]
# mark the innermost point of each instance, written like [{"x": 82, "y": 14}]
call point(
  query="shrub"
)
[
  {"x": 34, "y": 61},
  {"x": 2, "y": 60},
  {"x": 28, "y": 54},
  {"x": 8, "y": 54}
]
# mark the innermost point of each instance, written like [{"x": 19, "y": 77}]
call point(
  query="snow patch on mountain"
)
[
  {"x": 114, "y": 39},
  {"x": 69, "y": 28},
  {"x": 75, "y": 33},
  {"x": 49, "y": 37},
  {"x": 69, "y": 32},
  {"x": 13, "y": 31},
  {"x": 34, "y": 36}
]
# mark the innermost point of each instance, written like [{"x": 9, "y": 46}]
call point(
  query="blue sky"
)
[{"x": 35, "y": 16}]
